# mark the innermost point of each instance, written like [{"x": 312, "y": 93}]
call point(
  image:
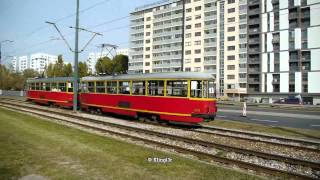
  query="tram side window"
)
[
  {"x": 62, "y": 87},
  {"x": 38, "y": 86},
  {"x": 43, "y": 86},
  {"x": 54, "y": 87},
  {"x": 32, "y": 86},
  {"x": 124, "y": 87},
  {"x": 112, "y": 87},
  {"x": 212, "y": 90},
  {"x": 100, "y": 88},
  {"x": 156, "y": 88},
  {"x": 196, "y": 89},
  {"x": 47, "y": 87},
  {"x": 177, "y": 88},
  {"x": 70, "y": 86},
  {"x": 91, "y": 86},
  {"x": 84, "y": 87},
  {"x": 138, "y": 87}
]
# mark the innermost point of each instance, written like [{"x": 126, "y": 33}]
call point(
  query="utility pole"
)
[
  {"x": 76, "y": 52},
  {"x": 76, "y": 58},
  {"x": 1, "y": 47}
]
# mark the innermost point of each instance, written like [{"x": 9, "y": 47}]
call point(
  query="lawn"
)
[
  {"x": 280, "y": 131},
  {"x": 29, "y": 145}
]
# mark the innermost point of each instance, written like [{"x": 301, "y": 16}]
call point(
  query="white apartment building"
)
[
  {"x": 39, "y": 61},
  {"x": 14, "y": 64},
  {"x": 23, "y": 63},
  {"x": 254, "y": 48}
]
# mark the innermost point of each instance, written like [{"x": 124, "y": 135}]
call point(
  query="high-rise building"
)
[
  {"x": 283, "y": 48},
  {"x": 14, "y": 64},
  {"x": 23, "y": 63},
  {"x": 39, "y": 61},
  {"x": 254, "y": 48}
]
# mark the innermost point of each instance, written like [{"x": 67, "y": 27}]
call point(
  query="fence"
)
[{"x": 12, "y": 93}]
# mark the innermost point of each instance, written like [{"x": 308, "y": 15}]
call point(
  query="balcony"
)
[
  {"x": 254, "y": 11},
  {"x": 276, "y": 81},
  {"x": 210, "y": 62},
  {"x": 254, "y": 40},
  {"x": 253, "y": 61},
  {"x": 254, "y": 21},
  {"x": 305, "y": 15},
  {"x": 276, "y": 40},
  {"x": 253, "y": 50},
  {"x": 293, "y": 16},
  {"x": 254, "y": 30},
  {"x": 253, "y": 2},
  {"x": 242, "y": 70},
  {"x": 253, "y": 80},
  {"x": 254, "y": 70}
]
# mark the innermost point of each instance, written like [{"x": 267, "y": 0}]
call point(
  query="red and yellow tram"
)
[
  {"x": 186, "y": 97},
  {"x": 51, "y": 91},
  {"x": 183, "y": 97}
]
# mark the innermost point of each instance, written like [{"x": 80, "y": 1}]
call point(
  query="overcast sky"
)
[{"x": 23, "y": 21}]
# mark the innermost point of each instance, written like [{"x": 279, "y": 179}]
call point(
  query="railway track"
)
[{"x": 45, "y": 112}]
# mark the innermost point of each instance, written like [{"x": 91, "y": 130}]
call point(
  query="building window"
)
[
  {"x": 198, "y": 25},
  {"x": 188, "y": 35},
  {"x": 189, "y": 10},
  {"x": 148, "y": 18},
  {"x": 198, "y": 8},
  {"x": 230, "y": 76},
  {"x": 197, "y": 60},
  {"x": 231, "y": 1},
  {"x": 188, "y": 52},
  {"x": 231, "y": 57},
  {"x": 233, "y": 19},
  {"x": 197, "y": 51},
  {"x": 197, "y": 69},
  {"x": 147, "y": 64},
  {"x": 197, "y": 34},
  {"x": 147, "y": 33},
  {"x": 198, "y": 16},
  {"x": 188, "y": 43},
  {"x": 147, "y": 41},
  {"x": 242, "y": 75},
  {"x": 197, "y": 43},
  {"x": 188, "y": 18},
  {"x": 147, "y": 56},
  {"x": 231, "y": 29},
  {"x": 231, "y": 48},
  {"x": 243, "y": 85},
  {"x": 231, "y": 10},
  {"x": 231, "y": 67},
  {"x": 148, "y": 26},
  {"x": 231, "y": 38},
  {"x": 187, "y": 61},
  {"x": 188, "y": 69},
  {"x": 188, "y": 26}
]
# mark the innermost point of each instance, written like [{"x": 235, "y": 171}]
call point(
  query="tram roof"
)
[
  {"x": 170, "y": 75},
  {"x": 49, "y": 80}
]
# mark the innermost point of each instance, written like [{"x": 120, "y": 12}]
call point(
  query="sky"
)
[{"x": 23, "y": 21}]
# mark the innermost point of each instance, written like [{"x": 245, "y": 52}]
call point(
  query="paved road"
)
[{"x": 272, "y": 117}]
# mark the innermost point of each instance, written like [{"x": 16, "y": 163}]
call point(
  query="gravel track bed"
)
[{"x": 230, "y": 155}]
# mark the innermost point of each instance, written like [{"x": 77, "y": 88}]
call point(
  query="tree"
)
[
  {"x": 30, "y": 73},
  {"x": 104, "y": 66},
  {"x": 82, "y": 69},
  {"x": 67, "y": 70},
  {"x": 121, "y": 64}
]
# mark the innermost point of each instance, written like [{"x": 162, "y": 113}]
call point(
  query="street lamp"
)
[{"x": 0, "y": 47}]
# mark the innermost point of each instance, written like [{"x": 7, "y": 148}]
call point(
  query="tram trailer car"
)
[
  {"x": 51, "y": 91},
  {"x": 186, "y": 97}
]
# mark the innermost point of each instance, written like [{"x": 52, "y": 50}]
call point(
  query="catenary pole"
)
[{"x": 76, "y": 57}]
